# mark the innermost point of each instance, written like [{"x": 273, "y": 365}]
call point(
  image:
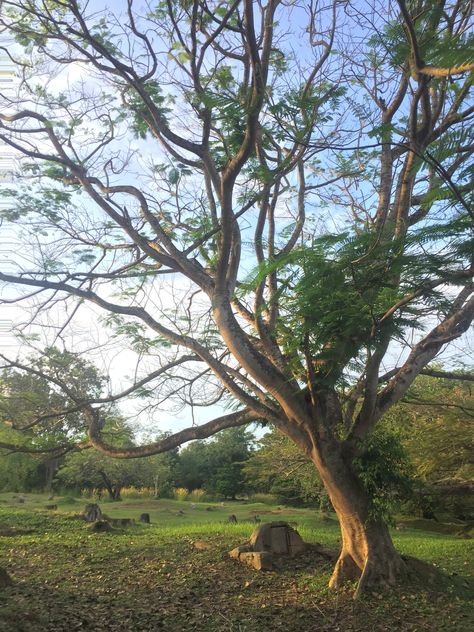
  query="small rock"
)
[
  {"x": 51, "y": 507},
  {"x": 260, "y": 560}
]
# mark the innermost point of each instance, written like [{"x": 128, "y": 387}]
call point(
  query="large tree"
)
[{"x": 298, "y": 178}]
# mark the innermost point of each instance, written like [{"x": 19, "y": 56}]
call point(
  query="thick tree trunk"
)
[{"x": 367, "y": 552}]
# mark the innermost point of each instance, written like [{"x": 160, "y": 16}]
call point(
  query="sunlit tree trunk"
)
[{"x": 367, "y": 551}]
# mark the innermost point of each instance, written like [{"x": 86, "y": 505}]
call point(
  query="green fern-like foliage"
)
[{"x": 344, "y": 295}]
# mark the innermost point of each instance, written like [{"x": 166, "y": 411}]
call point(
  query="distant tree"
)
[
  {"x": 164, "y": 469},
  {"x": 217, "y": 465},
  {"x": 439, "y": 428},
  {"x": 38, "y": 408},
  {"x": 195, "y": 465},
  {"x": 20, "y": 472},
  {"x": 88, "y": 469},
  {"x": 231, "y": 450},
  {"x": 278, "y": 467},
  {"x": 436, "y": 425}
]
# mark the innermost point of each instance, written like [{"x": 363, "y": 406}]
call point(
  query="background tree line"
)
[{"x": 421, "y": 458}]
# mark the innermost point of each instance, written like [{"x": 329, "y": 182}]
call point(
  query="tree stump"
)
[
  {"x": 92, "y": 512},
  {"x": 145, "y": 517}
]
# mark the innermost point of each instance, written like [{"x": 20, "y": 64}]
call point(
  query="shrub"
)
[
  {"x": 267, "y": 499},
  {"x": 137, "y": 492},
  {"x": 180, "y": 493},
  {"x": 92, "y": 494},
  {"x": 198, "y": 496}
]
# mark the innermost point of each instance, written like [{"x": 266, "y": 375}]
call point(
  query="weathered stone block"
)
[
  {"x": 278, "y": 538},
  {"x": 92, "y": 512},
  {"x": 260, "y": 560}
]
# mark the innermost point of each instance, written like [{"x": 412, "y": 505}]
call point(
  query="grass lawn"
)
[{"x": 151, "y": 577}]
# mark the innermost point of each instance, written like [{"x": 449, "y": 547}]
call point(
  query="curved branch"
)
[{"x": 231, "y": 420}]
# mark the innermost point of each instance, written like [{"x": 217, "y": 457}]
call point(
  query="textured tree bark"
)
[{"x": 367, "y": 551}]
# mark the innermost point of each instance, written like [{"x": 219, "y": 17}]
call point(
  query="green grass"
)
[{"x": 151, "y": 577}]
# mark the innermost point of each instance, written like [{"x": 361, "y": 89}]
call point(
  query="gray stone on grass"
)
[
  {"x": 278, "y": 538},
  {"x": 269, "y": 540},
  {"x": 92, "y": 512}
]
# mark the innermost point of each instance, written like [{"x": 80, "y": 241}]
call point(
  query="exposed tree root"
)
[
  {"x": 378, "y": 576},
  {"x": 345, "y": 570},
  {"x": 381, "y": 574}
]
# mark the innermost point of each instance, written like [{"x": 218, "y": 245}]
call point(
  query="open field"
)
[{"x": 151, "y": 577}]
